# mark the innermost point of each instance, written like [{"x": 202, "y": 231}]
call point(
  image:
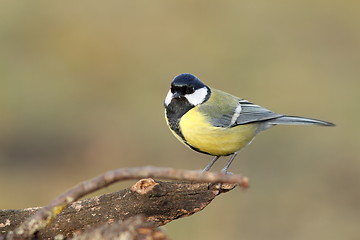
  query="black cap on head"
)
[{"x": 186, "y": 83}]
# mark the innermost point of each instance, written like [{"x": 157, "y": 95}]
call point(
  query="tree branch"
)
[{"x": 158, "y": 202}]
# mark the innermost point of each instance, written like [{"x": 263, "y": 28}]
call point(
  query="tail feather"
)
[{"x": 293, "y": 120}]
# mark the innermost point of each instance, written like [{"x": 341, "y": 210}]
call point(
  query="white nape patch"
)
[
  {"x": 197, "y": 97},
  {"x": 168, "y": 98},
  {"x": 236, "y": 114}
]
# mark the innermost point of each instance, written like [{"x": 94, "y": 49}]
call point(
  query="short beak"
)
[{"x": 176, "y": 95}]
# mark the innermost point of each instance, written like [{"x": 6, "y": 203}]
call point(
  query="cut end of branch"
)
[{"x": 144, "y": 186}]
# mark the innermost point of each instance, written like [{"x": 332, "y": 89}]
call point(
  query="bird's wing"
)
[
  {"x": 225, "y": 110},
  {"x": 253, "y": 113},
  {"x": 242, "y": 113}
]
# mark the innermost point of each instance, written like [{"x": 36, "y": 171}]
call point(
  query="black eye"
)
[{"x": 189, "y": 90}]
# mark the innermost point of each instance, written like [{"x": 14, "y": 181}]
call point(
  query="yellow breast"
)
[{"x": 217, "y": 141}]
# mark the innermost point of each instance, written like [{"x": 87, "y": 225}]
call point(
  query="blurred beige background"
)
[{"x": 82, "y": 86}]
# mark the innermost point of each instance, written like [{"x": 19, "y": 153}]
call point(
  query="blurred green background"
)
[{"x": 82, "y": 86}]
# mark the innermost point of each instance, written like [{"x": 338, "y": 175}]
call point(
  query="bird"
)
[{"x": 217, "y": 123}]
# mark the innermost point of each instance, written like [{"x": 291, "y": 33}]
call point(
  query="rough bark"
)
[
  {"x": 134, "y": 228},
  {"x": 156, "y": 202}
]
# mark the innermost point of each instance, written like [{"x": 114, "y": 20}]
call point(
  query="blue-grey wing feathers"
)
[
  {"x": 253, "y": 113},
  {"x": 243, "y": 112}
]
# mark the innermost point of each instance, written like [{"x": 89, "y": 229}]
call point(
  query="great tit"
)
[{"x": 214, "y": 122}]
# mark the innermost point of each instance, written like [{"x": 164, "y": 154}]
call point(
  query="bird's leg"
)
[
  {"x": 225, "y": 169},
  {"x": 207, "y": 168}
]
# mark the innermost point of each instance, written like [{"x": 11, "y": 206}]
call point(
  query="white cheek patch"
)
[
  {"x": 197, "y": 97},
  {"x": 168, "y": 98}
]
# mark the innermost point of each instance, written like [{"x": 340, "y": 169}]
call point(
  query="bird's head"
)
[{"x": 187, "y": 87}]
